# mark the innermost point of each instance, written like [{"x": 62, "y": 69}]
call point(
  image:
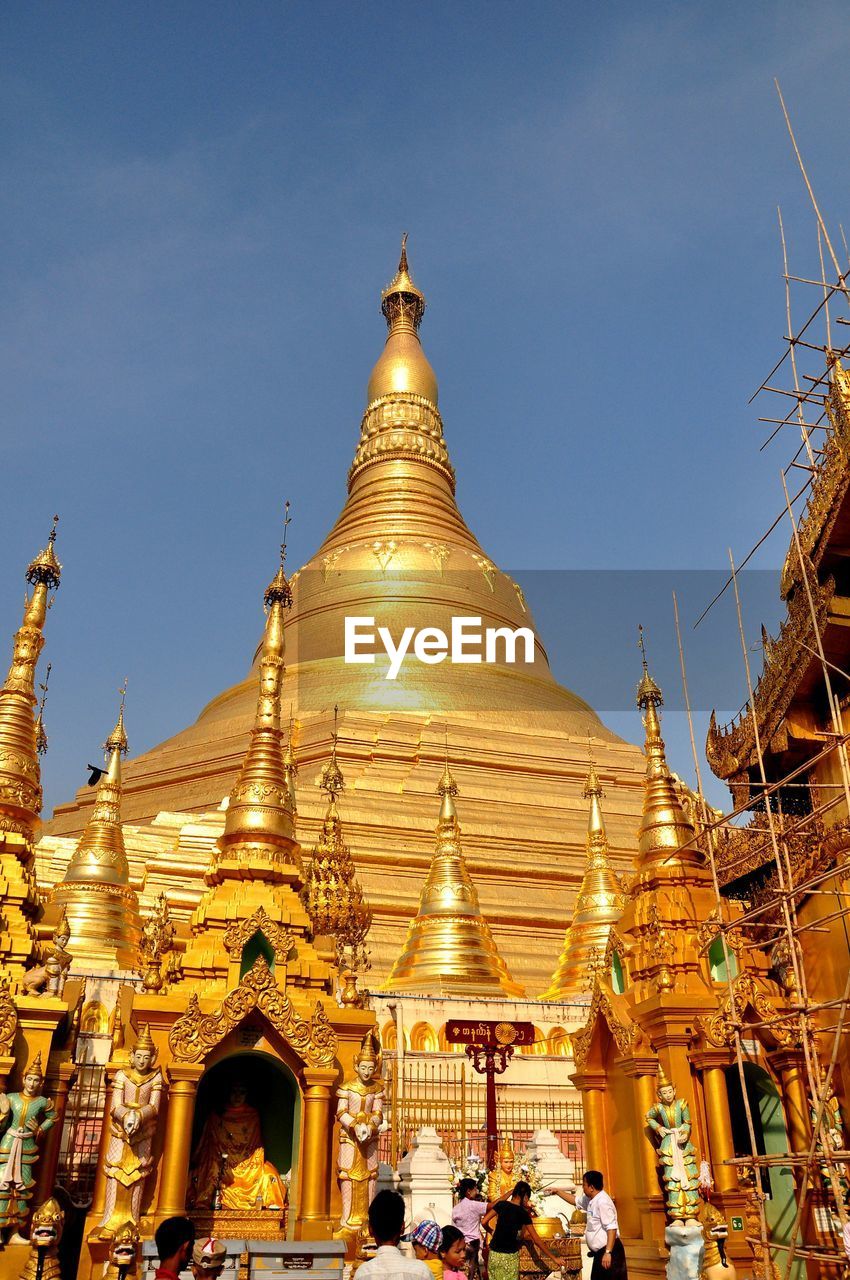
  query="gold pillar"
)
[
  {"x": 644, "y": 1073},
  {"x": 722, "y": 1147},
  {"x": 177, "y": 1148},
  {"x": 99, "y": 1197},
  {"x": 789, "y": 1065},
  {"x": 314, "y": 1156},
  {"x": 591, "y": 1085},
  {"x": 50, "y": 1154}
]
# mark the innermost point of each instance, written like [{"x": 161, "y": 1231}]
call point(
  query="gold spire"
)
[
  {"x": 599, "y": 905},
  {"x": 95, "y": 894},
  {"x": 290, "y": 767},
  {"x": 401, "y": 418},
  {"x": 449, "y": 948},
  {"x": 260, "y": 811},
  {"x": 332, "y": 894},
  {"x": 666, "y": 840},
  {"x": 20, "y": 776}
]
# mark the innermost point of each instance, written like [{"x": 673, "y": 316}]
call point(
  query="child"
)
[
  {"x": 427, "y": 1239},
  {"x": 453, "y": 1254},
  {"x": 467, "y": 1215}
]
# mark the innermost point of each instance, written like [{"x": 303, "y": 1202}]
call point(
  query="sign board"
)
[
  {"x": 490, "y": 1034},
  {"x": 737, "y": 1224},
  {"x": 297, "y": 1262}
]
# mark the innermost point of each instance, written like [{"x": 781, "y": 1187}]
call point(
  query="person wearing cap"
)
[
  {"x": 427, "y": 1238},
  {"x": 208, "y": 1258}
]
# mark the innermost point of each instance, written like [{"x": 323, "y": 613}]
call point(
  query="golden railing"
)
[{"x": 440, "y": 1094}]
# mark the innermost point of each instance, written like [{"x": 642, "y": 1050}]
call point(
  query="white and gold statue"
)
[
  {"x": 360, "y": 1112},
  {"x": 133, "y": 1111}
]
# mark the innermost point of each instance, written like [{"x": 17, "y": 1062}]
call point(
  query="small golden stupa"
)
[
  {"x": 95, "y": 895},
  {"x": 449, "y": 948},
  {"x": 599, "y": 905}
]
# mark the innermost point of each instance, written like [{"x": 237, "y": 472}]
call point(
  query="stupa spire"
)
[
  {"x": 666, "y": 839},
  {"x": 599, "y": 905},
  {"x": 20, "y": 776},
  {"x": 401, "y": 419},
  {"x": 449, "y": 948},
  {"x": 95, "y": 894},
  {"x": 260, "y": 806}
]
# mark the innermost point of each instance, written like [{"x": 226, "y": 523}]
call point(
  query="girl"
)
[
  {"x": 513, "y": 1225},
  {"x": 453, "y": 1254}
]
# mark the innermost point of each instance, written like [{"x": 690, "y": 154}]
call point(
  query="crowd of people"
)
[{"x": 482, "y": 1242}]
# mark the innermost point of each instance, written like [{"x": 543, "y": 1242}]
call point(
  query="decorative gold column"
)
[
  {"x": 713, "y": 1067},
  {"x": 591, "y": 1085},
  {"x": 99, "y": 1196},
  {"x": 644, "y": 1073},
  {"x": 49, "y": 1162},
  {"x": 177, "y": 1148},
  {"x": 789, "y": 1066},
  {"x": 314, "y": 1156}
]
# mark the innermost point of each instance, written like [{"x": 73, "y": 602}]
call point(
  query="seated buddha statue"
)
[{"x": 229, "y": 1167}]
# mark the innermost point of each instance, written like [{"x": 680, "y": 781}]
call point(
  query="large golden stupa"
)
[{"x": 400, "y": 553}]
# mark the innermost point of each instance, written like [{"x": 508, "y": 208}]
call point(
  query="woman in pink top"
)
[{"x": 466, "y": 1216}]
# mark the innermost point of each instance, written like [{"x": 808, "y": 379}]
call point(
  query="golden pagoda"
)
[
  {"x": 20, "y": 774},
  {"x": 402, "y": 553},
  {"x": 449, "y": 948},
  {"x": 95, "y": 895},
  {"x": 599, "y": 905}
]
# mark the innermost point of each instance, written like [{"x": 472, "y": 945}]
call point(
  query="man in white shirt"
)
[
  {"x": 602, "y": 1232},
  {"x": 386, "y": 1222}
]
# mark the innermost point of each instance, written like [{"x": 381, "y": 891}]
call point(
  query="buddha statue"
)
[
  {"x": 670, "y": 1121},
  {"x": 503, "y": 1177},
  {"x": 229, "y": 1168}
]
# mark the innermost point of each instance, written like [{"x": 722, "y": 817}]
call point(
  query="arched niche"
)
[
  {"x": 423, "y": 1038},
  {"x": 721, "y": 961},
  {"x": 271, "y": 1088},
  {"x": 559, "y": 1042},
  {"x": 94, "y": 1020},
  {"x": 256, "y": 946}
]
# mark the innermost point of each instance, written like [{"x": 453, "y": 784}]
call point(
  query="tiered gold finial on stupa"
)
[
  {"x": 20, "y": 777},
  {"x": 599, "y": 905},
  {"x": 449, "y": 948},
  {"x": 101, "y": 907},
  {"x": 666, "y": 840},
  {"x": 401, "y": 419},
  {"x": 260, "y": 812},
  {"x": 332, "y": 895}
]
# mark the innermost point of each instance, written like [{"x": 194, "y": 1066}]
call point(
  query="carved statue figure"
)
[
  {"x": 503, "y": 1177},
  {"x": 123, "y": 1253},
  {"x": 834, "y": 1127},
  {"x": 229, "y": 1168},
  {"x": 48, "y": 978},
  {"x": 156, "y": 942},
  {"x": 670, "y": 1120},
  {"x": 24, "y": 1117},
  {"x": 360, "y": 1112},
  {"x": 133, "y": 1111},
  {"x": 45, "y": 1234}
]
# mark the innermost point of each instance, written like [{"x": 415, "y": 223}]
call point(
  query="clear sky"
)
[{"x": 200, "y": 204}]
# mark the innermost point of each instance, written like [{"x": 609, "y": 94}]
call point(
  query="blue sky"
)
[{"x": 200, "y": 205}]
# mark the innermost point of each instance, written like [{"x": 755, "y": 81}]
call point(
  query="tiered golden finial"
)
[
  {"x": 666, "y": 841},
  {"x": 401, "y": 419},
  {"x": 101, "y": 908},
  {"x": 260, "y": 812},
  {"x": 332, "y": 895},
  {"x": 449, "y": 948},
  {"x": 20, "y": 777},
  {"x": 599, "y": 905}
]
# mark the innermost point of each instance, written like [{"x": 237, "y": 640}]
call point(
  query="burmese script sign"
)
[{"x": 497, "y": 1035}]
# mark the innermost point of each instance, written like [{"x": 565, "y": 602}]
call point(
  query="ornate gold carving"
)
[
  {"x": 439, "y": 553},
  {"x": 720, "y": 1028},
  {"x": 8, "y": 1019},
  {"x": 488, "y": 569},
  {"x": 196, "y": 1033},
  {"x": 627, "y": 1034},
  {"x": 402, "y": 425},
  {"x": 384, "y": 552},
  {"x": 279, "y": 938},
  {"x": 731, "y": 749}
]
